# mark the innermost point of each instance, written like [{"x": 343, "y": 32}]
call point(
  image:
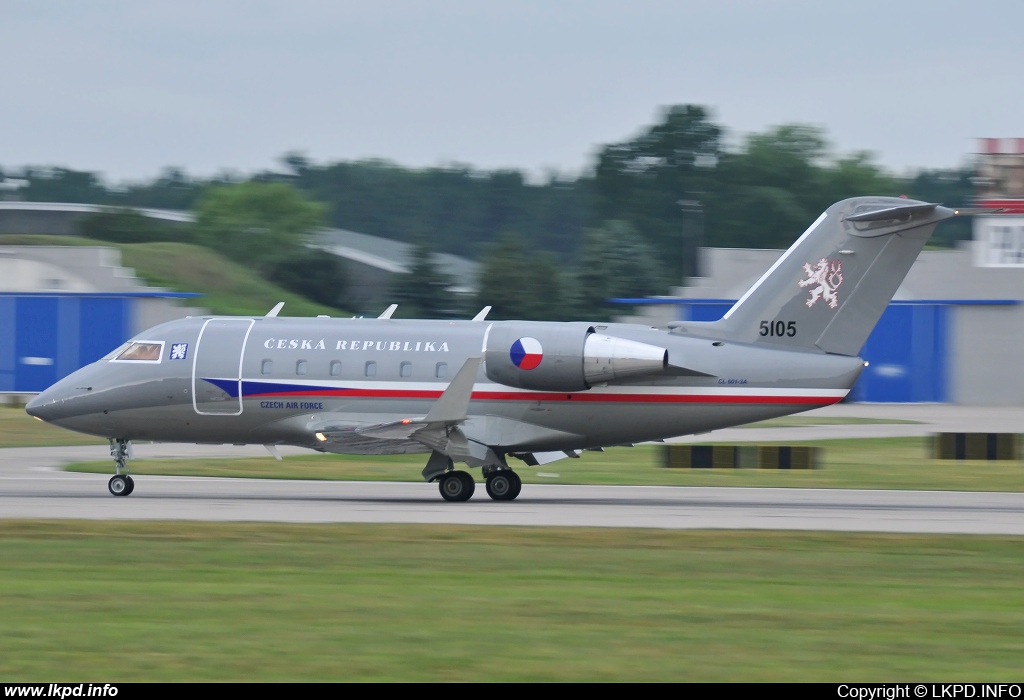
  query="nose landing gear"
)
[{"x": 121, "y": 484}]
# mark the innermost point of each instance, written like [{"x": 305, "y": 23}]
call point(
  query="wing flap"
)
[{"x": 536, "y": 459}]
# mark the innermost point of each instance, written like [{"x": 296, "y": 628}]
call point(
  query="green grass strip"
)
[{"x": 121, "y": 602}]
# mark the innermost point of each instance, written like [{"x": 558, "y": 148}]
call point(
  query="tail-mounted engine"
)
[{"x": 564, "y": 356}]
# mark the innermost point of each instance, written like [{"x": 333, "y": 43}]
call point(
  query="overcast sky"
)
[{"x": 126, "y": 87}]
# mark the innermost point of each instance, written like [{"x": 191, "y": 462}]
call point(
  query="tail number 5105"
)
[{"x": 777, "y": 329}]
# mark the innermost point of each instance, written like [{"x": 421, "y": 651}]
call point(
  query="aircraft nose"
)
[
  {"x": 62, "y": 400},
  {"x": 43, "y": 406}
]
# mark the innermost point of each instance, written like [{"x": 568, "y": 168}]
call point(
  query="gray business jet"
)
[{"x": 479, "y": 392}]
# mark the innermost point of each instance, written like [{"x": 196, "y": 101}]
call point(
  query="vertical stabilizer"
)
[{"x": 829, "y": 289}]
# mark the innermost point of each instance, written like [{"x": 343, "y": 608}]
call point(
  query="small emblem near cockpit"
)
[{"x": 179, "y": 351}]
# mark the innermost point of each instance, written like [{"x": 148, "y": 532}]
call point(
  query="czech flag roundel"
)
[{"x": 526, "y": 353}]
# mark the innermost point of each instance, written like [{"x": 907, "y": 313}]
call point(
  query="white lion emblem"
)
[{"x": 828, "y": 275}]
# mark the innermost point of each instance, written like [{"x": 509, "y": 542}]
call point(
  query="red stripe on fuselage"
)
[{"x": 547, "y": 396}]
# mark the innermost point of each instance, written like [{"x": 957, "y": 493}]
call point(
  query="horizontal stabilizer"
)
[
  {"x": 891, "y": 212},
  {"x": 972, "y": 211}
]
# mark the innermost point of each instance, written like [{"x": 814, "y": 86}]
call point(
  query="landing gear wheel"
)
[
  {"x": 120, "y": 485},
  {"x": 517, "y": 486},
  {"x": 504, "y": 485},
  {"x": 456, "y": 486}
]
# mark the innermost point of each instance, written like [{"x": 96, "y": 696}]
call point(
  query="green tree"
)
[
  {"x": 645, "y": 180},
  {"x": 458, "y": 209},
  {"x": 425, "y": 291},
  {"x": 63, "y": 185},
  {"x": 124, "y": 225},
  {"x": 173, "y": 189},
  {"x": 257, "y": 222},
  {"x": 315, "y": 274},
  {"x": 856, "y": 175},
  {"x": 521, "y": 285},
  {"x": 768, "y": 192},
  {"x": 615, "y": 262}
]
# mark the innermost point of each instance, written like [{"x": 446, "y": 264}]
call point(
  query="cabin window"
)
[
  {"x": 335, "y": 368},
  {"x": 267, "y": 367},
  {"x": 441, "y": 371},
  {"x": 300, "y": 367},
  {"x": 371, "y": 369},
  {"x": 140, "y": 351},
  {"x": 405, "y": 369}
]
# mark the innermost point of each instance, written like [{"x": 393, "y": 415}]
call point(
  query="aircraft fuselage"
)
[{"x": 263, "y": 380}]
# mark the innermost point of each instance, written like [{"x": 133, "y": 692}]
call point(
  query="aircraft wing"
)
[
  {"x": 436, "y": 430},
  {"x": 446, "y": 429}
]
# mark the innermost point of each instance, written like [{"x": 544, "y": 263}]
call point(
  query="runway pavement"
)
[{"x": 33, "y": 486}]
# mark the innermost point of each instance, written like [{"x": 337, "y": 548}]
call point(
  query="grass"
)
[
  {"x": 110, "y": 602},
  {"x": 227, "y": 287},
  {"x": 18, "y": 429},
  {"x": 160, "y": 601}
]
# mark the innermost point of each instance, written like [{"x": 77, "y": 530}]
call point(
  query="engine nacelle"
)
[{"x": 564, "y": 356}]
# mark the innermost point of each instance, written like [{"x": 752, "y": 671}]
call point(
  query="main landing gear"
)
[
  {"x": 456, "y": 486},
  {"x": 501, "y": 484},
  {"x": 120, "y": 484}
]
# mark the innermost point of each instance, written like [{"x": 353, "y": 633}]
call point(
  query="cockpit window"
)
[
  {"x": 116, "y": 351},
  {"x": 140, "y": 351}
]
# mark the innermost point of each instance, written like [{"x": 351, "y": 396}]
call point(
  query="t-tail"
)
[{"x": 827, "y": 292}]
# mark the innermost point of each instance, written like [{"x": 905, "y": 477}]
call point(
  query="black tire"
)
[
  {"x": 517, "y": 486},
  {"x": 131, "y": 484},
  {"x": 504, "y": 485},
  {"x": 118, "y": 485},
  {"x": 456, "y": 486},
  {"x": 500, "y": 486}
]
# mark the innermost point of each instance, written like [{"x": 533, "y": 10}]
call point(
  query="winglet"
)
[
  {"x": 276, "y": 310},
  {"x": 388, "y": 311},
  {"x": 453, "y": 404},
  {"x": 483, "y": 314}
]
